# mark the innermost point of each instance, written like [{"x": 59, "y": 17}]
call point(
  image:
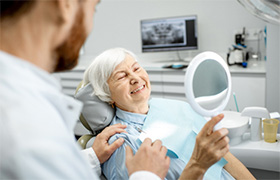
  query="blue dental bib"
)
[{"x": 176, "y": 124}]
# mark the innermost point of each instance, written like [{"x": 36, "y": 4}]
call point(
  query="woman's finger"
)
[
  {"x": 217, "y": 135},
  {"x": 224, "y": 150},
  {"x": 208, "y": 127},
  {"x": 222, "y": 143}
]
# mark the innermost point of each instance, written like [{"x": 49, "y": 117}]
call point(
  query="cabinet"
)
[
  {"x": 69, "y": 80},
  {"x": 167, "y": 83}
]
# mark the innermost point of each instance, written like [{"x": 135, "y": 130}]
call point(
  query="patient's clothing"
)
[{"x": 115, "y": 167}]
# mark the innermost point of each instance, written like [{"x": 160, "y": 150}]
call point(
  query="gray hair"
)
[{"x": 101, "y": 69}]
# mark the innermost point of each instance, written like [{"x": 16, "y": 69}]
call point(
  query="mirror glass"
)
[{"x": 208, "y": 84}]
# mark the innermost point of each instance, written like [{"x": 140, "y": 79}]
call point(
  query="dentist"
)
[{"x": 37, "y": 38}]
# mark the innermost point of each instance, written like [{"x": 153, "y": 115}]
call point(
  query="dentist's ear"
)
[
  {"x": 61, "y": 14},
  {"x": 67, "y": 10}
]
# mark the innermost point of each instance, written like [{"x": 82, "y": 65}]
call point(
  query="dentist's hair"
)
[
  {"x": 14, "y": 9},
  {"x": 101, "y": 69}
]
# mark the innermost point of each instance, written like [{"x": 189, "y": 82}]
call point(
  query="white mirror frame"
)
[{"x": 197, "y": 60}]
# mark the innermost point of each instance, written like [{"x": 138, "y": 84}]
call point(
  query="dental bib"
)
[{"x": 176, "y": 124}]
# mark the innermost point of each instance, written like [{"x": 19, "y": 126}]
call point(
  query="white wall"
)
[
  {"x": 272, "y": 68},
  {"x": 117, "y": 23}
]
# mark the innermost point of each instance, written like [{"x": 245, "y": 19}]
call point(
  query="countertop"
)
[
  {"x": 253, "y": 67},
  {"x": 258, "y": 154}
]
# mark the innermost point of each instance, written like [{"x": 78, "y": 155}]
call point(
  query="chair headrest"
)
[{"x": 98, "y": 114}]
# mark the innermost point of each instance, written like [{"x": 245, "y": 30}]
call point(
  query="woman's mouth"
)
[{"x": 138, "y": 89}]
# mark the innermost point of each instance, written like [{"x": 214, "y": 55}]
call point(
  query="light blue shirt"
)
[{"x": 115, "y": 168}]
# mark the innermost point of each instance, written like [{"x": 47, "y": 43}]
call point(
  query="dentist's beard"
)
[{"x": 68, "y": 53}]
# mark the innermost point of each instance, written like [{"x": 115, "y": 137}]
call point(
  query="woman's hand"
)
[
  {"x": 101, "y": 146},
  {"x": 149, "y": 157},
  {"x": 210, "y": 147}
]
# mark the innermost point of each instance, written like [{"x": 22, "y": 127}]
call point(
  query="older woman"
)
[{"x": 118, "y": 79}]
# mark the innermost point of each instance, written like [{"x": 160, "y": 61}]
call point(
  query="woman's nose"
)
[{"x": 134, "y": 79}]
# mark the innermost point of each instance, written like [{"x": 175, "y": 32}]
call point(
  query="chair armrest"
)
[{"x": 83, "y": 140}]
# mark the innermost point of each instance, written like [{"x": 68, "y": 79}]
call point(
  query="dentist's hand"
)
[
  {"x": 101, "y": 146},
  {"x": 149, "y": 157},
  {"x": 210, "y": 147}
]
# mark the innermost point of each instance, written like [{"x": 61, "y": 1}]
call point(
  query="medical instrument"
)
[
  {"x": 134, "y": 126},
  {"x": 240, "y": 38},
  {"x": 238, "y": 55},
  {"x": 237, "y": 109},
  {"x": 256, "y": 114},
  {"x": 267, "y": 10},
  {"x": 176, "y": 66},
  {"x": 139, "y": 130}
]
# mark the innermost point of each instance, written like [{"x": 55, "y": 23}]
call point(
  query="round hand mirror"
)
[{"x": 208, "y": 84}]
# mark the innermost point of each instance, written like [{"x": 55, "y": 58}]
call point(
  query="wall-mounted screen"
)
[{"x": 169, "y": 34}]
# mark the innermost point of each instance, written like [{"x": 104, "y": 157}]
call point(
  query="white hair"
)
[{"x": 101, "y": 69}]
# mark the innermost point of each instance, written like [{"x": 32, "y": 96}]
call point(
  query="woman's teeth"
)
[{"x": 137, "y": 89}]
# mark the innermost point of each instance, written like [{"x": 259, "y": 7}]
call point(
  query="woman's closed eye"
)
[
  {"x": 137, "y": 68},
  {"x": 121, "y": 76}
]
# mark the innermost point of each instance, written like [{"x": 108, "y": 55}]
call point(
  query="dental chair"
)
[{"x": 95, "y": 115}]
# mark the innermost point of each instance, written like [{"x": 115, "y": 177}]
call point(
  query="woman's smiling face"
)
[{"x": 129, "y": 85}]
